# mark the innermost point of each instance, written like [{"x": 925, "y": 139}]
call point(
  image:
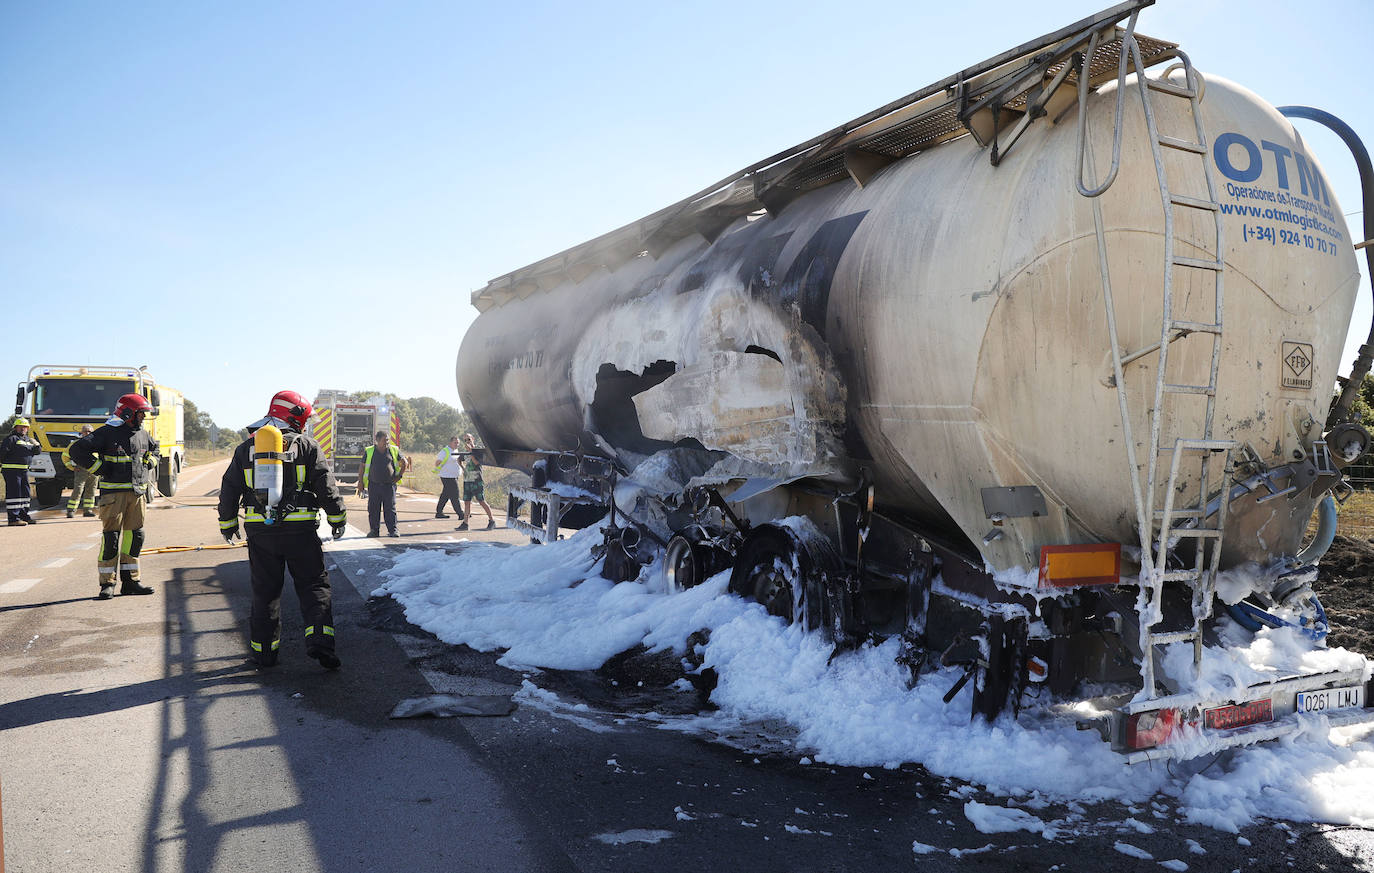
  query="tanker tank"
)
[
  {"x": 1034, "y": 364},
  {"x": 942, "y": 328}
]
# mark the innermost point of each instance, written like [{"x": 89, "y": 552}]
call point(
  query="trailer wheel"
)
[
  {"x": 682, "y": 565},
  {"x": 776, "y": 570}
]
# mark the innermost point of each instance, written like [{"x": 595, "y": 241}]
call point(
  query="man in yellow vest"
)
[
  {"x": 381, "y": 469},
  {"x": 83, "y": 482}
]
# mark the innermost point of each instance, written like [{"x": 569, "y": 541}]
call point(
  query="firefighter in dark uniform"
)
[
  {"x": 15, "y": 451},
  {"x": 125, "y": 457},
  {"x": 285, "y": 537}
]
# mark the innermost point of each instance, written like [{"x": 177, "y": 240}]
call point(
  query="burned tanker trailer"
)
[{"x": 1032, "y": 367}]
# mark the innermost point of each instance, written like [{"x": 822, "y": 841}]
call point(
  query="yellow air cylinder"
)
[{"x": 267, "y": 467}]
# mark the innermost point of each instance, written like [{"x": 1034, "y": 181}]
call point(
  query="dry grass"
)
[
  {"x": 1355, "y": 517},
  {"x": 206, "y": 456}
]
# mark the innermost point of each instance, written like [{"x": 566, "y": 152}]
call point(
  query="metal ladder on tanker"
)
[{"x": 1163, "y": 528}]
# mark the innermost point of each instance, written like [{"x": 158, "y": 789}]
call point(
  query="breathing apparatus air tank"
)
[{"x": 267, "y": 469}]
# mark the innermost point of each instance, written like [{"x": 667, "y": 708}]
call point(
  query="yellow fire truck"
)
[
  {"x": 345, "y": 428},
  {"x": 57, "y": 399}
]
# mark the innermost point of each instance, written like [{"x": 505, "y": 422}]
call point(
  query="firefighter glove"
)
[
  {"x": 230, "y": 534},
  {"x": 337, "y": 529}
]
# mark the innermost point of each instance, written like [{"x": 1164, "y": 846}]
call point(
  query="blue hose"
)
[{"x": 1252, "y": 618}]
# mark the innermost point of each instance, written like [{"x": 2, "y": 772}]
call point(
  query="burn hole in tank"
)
[
  {"x": 613, "y": 411},
  {"x": 760, "y": 350}
]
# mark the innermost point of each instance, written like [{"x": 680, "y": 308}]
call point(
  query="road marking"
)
[
  {"x": 14, "y": 586},
  {"x": 96, "y": 534},
  {"x": 81, "y": 547},
  {"x": 56, "y": 562}
]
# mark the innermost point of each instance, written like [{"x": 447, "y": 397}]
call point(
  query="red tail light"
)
[{"x": 1145, "y": 730}]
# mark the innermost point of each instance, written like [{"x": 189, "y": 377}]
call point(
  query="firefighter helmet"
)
[
  {"x": 130, "y": 405},
  {"x": 20, "y": 422},
  {"x": 290, "y": 407}
]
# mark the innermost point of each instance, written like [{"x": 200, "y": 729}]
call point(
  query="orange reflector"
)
[{"x": 1091, "y": 564}]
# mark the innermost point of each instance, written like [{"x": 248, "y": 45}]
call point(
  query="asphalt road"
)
[{"x": 135, "y": 737}]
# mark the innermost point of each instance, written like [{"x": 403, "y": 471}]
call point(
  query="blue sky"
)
[{"x": 260, "y": 195}]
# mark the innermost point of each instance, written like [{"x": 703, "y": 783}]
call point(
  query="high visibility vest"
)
[{"x": 367, "y": 461}]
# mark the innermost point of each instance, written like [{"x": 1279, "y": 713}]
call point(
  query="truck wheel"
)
[
  {"x": 775, "y": 569},
  {"x": 167, "y": 477},
  {"x": 692, "y": 557},
  {"x": 48, "y": 492},
  {"x": 681, "y": 565}
]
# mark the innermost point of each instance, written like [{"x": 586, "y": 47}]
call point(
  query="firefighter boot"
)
[
  {"x": 326, "y": 657},
  {"x": 106, "y": 591},
  {"x": 71, "y": 513},
  {"x": 130, "y": 585}
]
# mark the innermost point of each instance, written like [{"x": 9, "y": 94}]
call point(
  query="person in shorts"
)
[{"x": 472, "y": 484}]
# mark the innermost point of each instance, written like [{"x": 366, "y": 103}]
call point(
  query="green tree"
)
[
  {"x": 198, "y": 425},
  {"x": 230, "y": 439}
]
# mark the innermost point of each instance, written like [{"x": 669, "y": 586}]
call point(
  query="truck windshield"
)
[{"x": 80, "y": 396}]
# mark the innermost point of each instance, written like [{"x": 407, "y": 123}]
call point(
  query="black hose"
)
[{"x": 1341, "y": 410}]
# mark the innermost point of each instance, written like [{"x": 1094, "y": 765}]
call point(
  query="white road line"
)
[
  {"x": 14, "y": 586},
  {"x": 81, "y": 547},
  {"x": 56, "y": 562},
  {"x": 96, "y": 534}
]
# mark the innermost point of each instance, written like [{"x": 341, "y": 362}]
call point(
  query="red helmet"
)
[
  {"x": 291, "y": 407},
  {"x": 131, "y": 405}
]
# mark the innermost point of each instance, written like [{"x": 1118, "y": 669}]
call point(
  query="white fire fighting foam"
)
[{"x": 545, "y": 606}]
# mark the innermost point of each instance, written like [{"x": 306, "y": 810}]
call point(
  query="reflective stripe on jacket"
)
[
  {"x": 15, "y": 451},
  {"x": 307, "y": 488},
  {"x": 395, "y": 464},
  {"x": 124, "y": 457}
]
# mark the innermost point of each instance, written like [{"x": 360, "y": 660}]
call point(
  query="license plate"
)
[
  {"x": 1239, "y": 714},
  {"x": 1330, "y": 698}
]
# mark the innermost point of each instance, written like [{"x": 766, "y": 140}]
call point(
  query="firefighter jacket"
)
[
  {"x": 307, "y": 487},
  {"x": 395, "y": 469},
  {"x": 16, "y": 450},
  {"x": 124, "y": 457}
]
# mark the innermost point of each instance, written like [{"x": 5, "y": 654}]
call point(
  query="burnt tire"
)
[
  {"x": 773, "y": 568},
  {"x": 682, "y": 564}
]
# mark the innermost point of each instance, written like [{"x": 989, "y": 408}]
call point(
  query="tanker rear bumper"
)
[
  {"x": 1199, "y": 722},
  {"x": 1257, "y": 733}
]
